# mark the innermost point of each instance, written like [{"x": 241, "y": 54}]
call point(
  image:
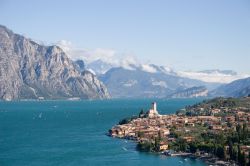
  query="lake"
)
[{"x": 72, "y": 133}]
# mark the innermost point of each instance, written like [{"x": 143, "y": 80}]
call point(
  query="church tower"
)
[
  {"x": 153, "y": 111},
  {"x": 154, "y": 107}
]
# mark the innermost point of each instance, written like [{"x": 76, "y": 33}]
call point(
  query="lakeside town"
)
[{"x": 215, "y": 130}]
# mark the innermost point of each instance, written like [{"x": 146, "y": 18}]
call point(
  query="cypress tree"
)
[
  {"x": 243, "y": 159},
  {"x": 141, "y": 114},
  {"x": 239, "y": 155},
  {"x": 230, "y": 149},
  {"x": 248, "y": 159}
]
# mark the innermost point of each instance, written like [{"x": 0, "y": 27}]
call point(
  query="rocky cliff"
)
[
  {"x": 200, "y": 91},
  {"x": 31, "y": 71}
]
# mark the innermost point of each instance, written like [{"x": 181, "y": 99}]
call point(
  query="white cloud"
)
[
  {"x": 148, "y": 68},
  {"x": 212, "y": 77},
  {"x": 108, "y": 56},
  {"x": 128, "y": 62},
  {"x": 114, "y": 59},
  {"x": 65, "y": 45}
]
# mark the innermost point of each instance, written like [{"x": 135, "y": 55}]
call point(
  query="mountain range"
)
[
  {"x": 238, "y": 88},
  {"x": 149, "y": 80},
  {"x": 155, "y": 81},
  {"x": 29, "y": 70},
  {"x": 215, "y": 76}
]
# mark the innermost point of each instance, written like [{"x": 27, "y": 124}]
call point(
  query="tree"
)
[
  {"x": 157, "y": 144},
  {"x": 231, "y": 149},
  {"x": 220, "y": 152},
  {"x": 244, "y": 132},
  {"x": 248, "y": 159},
  {"x": 193, "y": 147},
  {"x": 235, "y": 153},
  {"x": 244, "y": 162},
  {"x": 145, "y": 146},
  {"x": 141, "y": 114},
  {"x": 242, "y": 159},
  {"x": 182, "y": 144},
  {"x": 140, "y": 134}
]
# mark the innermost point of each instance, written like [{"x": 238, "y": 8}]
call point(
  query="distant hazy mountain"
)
[
  {"x": 99, "y": 67},
  {"x": 200, "y": 91},
  {"x": 151, "y": 68},
  {"x": 211, "y": 76},
  {"x": 31, "y": 71},
  {"x": 147, "y": 81},
  {"x": 215, "y": 76},
  {"x": 217, "y": 71},
  {"x": 238, "y": 88}
]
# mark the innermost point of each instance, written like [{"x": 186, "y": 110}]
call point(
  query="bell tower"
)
[
  {"x": 153, "y": 110},
  {"x": 154, "y": 107}
]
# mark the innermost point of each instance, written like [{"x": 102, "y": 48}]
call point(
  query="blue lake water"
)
[{"x": 72, "y": 133}]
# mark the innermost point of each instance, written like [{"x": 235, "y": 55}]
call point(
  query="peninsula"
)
[{"x": 216, "y": 130}]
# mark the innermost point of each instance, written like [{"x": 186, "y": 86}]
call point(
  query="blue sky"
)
[{"x": 186, "y": 35}]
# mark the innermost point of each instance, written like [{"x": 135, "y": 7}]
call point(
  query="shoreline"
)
[
  {"x": 200, "y": 131},
  {"x": 206, "y": 158}
]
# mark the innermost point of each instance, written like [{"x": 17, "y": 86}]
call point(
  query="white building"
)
[{"x": 153, "y": 111}]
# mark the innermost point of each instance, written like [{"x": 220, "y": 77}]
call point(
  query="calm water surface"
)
[{"x": 72, "y": 133}]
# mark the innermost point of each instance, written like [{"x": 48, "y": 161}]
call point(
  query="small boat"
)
[
  {"x": 125, "y": 149},
  {"x": 40, "y": 115}
]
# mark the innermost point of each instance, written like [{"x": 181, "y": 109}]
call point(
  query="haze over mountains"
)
[
  {"x": 30, "y": 70},
  {"x": 149, "y": 80},
  {"x": 101, "y": 60},
  {"x": 236, "y": 88},
  {"x": 135, "y": 79},
  {"x": 154, "y": 81},
  {"x": 137, "y": 82},
  {"x": 213, "y": 76}
]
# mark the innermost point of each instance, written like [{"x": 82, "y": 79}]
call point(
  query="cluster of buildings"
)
[
  {"x": 154, "y": 125},
  {"x": 149, "y": 127}
]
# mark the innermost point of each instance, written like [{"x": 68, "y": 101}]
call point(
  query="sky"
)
[{"x": 183, "y": 34}]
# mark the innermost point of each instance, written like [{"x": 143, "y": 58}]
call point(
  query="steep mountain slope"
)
[
  {"x": 80, "y": 66},
  {"x": 200, "y": 91},
  {"x": 238, "y": 88},
  {"x": 31, "y": 71}
]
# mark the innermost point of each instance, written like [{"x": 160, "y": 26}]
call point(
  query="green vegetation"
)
[
  {"x": 217, "y": 127},
  {"x": 204, "y": 108},
  {"x": 223, "y": 145},
  {"x": 142, "y": 114},
  {"x": 127, "y": 120},
  {"x": 227, "y": 143},
  {"x": 150, "y": 145}
]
